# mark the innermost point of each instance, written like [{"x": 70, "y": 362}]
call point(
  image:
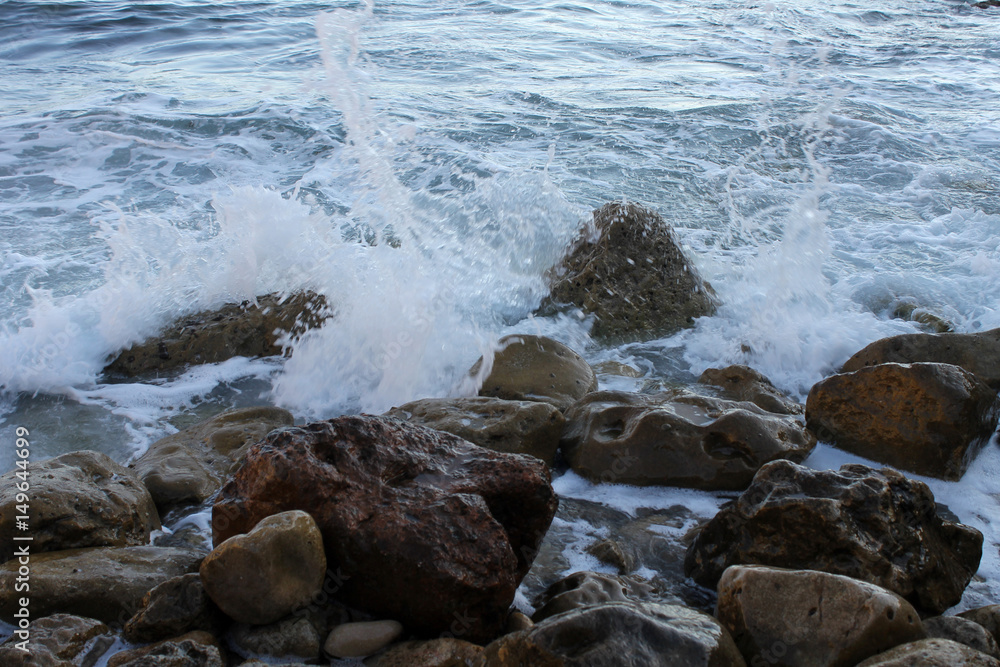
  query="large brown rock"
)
[
  {"x": 630, "y": 272},
  {"x": 536, "y": 368},
  {"x": 677, "y": 438},
  {"x": 515, "y": 427},
  {"x": 872, "y": 525},
  {"x": 931, "y": 653},
  {"x": 931, "y": 419},
  {"x": 978, "y": 353},
  {"x": 235, "y": 330},
  {"x": 805, "y": 618},
  {"x": 80, "y": 499},
  {"x": 614, "y": 634},
  {"x": 189, "y": 466},
  {"x": 420, "y": 525},
  {"x": 176, "y": 606},
  {"x": 60, "y": 640},
  {"x": 742, "y": 383}
]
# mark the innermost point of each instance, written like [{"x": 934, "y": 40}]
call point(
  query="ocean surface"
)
[{"x": 422, "y": 164}]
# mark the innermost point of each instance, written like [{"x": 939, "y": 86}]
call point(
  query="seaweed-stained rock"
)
[
  {"x": 80, "y": 499},
  {"x": 978, "y": 353},
  {"x": 60, "y": 640},
  {"x": 931, "y": 653},
  {"x": 443, "y": 652},
  {"x": 805, "y": 618},
  {"x": 176, "y": 606},
  {"x": 195, "y": 649},
  {"x": 630, "y": 272},
  {"x": 873, "y": 525},
  {"x": 677, "y": 438},
  {"x": 536, "y": 368},
  {"x": 607, "y": 635},
  {"x": 742, "y": 383},
  {"x": 236, "y": 330},
  {"x": 515, "y": 427},
  {"x": 963, "y": 631},
  {"x": 189, "y": 466},
  {"x": 420, "y": 525},
  {"x": 927, "y": 418}
]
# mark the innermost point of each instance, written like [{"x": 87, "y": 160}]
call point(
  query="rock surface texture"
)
[
  {"x": 419, "y": 525},
  {"x": 176, "y": 606},
  {"x": 60, "y": 640},
  {"x": 931, "y": 653},
  {"x": 742, "y": 383}
]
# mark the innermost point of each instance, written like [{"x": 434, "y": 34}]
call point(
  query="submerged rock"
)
[
  {"x": 927, "y": 418},
  {"x": 235, "y": 330},
  {"x": 931, "y": 653},
  {"x": 630, "y": 272},
  {"x": 419, "y": 525},
  {"x": 742, "y": 383},
  {"x": 872, "y": 525},
  {"x": 60, "y": 640},
  {"x": 677, "y": 438},
  {"x": 80, "y": 499}
]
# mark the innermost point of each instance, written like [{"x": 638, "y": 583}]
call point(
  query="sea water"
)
[{"x": 423, "y": 164}]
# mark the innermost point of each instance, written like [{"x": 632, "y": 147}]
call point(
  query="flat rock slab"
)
[{"x": 928, "y": 418}]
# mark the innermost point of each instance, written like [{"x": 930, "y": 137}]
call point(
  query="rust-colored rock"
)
[
  {"x": 742, "y": 383},
  {"x": 927, "y": 418},
  {"x": 419, "y": 525}
]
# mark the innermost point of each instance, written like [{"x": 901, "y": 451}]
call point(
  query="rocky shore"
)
[{"x": 434, "y": 536}]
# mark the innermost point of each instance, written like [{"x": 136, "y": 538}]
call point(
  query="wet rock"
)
[
  {"x": 931, "y": 653},
  {"x": 610, "y": 552},
  {"x": 518, "y": 620},
  {"x": 908, "y": 309},
  {"x": 602, "y": 636},
  {"x": 420, "y": 525},
  {"x": 104, "y": 583},
  {"x": 988, "y": 617},
  {"x": 195, "y": 649},
  {"x": 805, "y": 618},
  {"x": 445, "y": 652},
  {"x": 269, "y": 572},
  {"x": 618, "y": 369},
  {"x": 294, "y": 636},
  {"x": 986, "y": 4},
  {"x": 872, "y": 525},
  {"x": 928, "y": 418},
  {"x": 963, "y": 631},
  {"x": 60, "y": 640},
  {"x": 80, "y": 499},
  {"x": 235, "y": 330},
  {"x": 357, "y": 640},
  {"x": 189, "y": 466},
  {"x": 536, "y": 368},
  {"x": 630, "y": 272},
  {"x": 978, "y": 353},
  {"x": 514, "y": 427},
  {"x": 176, "y": 606},
  {"x": 742, "y": 383},
  {"x": 583, "y": 589},
  {"x": 677, "y": 438}
]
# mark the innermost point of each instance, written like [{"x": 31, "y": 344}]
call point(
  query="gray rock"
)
[
  {"x": 294, "y": 636},
  {"x": 176, "y": 606},
  {"x": 988, "y": 617},
  {"x": 356, "y": 640},
  {"x": 931, "y": 653},
  {"x": 60, "y": 640},
  {"x": 963, "y": 631}
]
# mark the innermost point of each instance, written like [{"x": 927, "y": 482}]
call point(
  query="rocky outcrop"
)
[
  {"x": 584, "y": 589},
  {"x": 445, "y": 652},
  {"x": 60, "y": 640},
  {"x": 631, "y": 274},
  {"x": 80, "y": 499},
  {"x": 191, "y": 465},
  {"x": 419, "y": 525},
  {"x": 536, "y": 368},
  {"x": 931, "y": 653},
  {"x": 872, "y": 525},
  {"x": 195, "y": 649},
  {"x": 171, "y": 609},
  {"x": 742, "y": 383},
  {"x": 514, "y": 427},
  {"x": 268, "y": 573},
  {"x": 805, "y": 618},
  {"x": 963, "y": 631},
  {"x": 928, "y": 418},
  {"x": 601, "y": 636},
  {"x": 360, "y": 639},
  {"x": 677, "y": 438},
  {"x": 236, "y": 330},
  {"x": 978, "y": 353}
]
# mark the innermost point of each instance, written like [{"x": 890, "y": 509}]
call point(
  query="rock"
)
[
  {"x": 988, "y": 617},
  {"x": 357, "y": 640},
  {"x": 631, "y": 274},
  {"x": 928, "y": 418},
  {"x": 985, "y": 4},
  {"x": 536, "y": 368},
  {"x": 584, "y": 589},
  {"x": 104, "y": 583},
  {"x": 189, "y": 466},
  {"x": 805, "y": 618},
  {"x": 293, "y": 636},
  {"x": 610, "y": 552},
  {"x": 80, "y": 499},
  {"x": 176, "y": 606},
  {"x": 515, "y": 427},
  {"x": 978, "y": 353},
  {"x": 872, "y": 525},
  {"x": 445, "y": 652},
  {"x": 195, "y": 649},
  {"x": 677, "y": 438},
  {"x": 518, "y": 620},
  {"x": 909, "y": 309},
  {"x": 235, "y": 330},
  {"x": 60, "y": 640},
  {"x": 931, "y": 653},
  {"x": 419, "y": 525},
  {"x": 742, "y": 383},
  {"x": 269, "y": 572},
  {"x": 963, "y": 631},
  {"x": 618, "y": 369},
  {"x": 608, "y": 635}
]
